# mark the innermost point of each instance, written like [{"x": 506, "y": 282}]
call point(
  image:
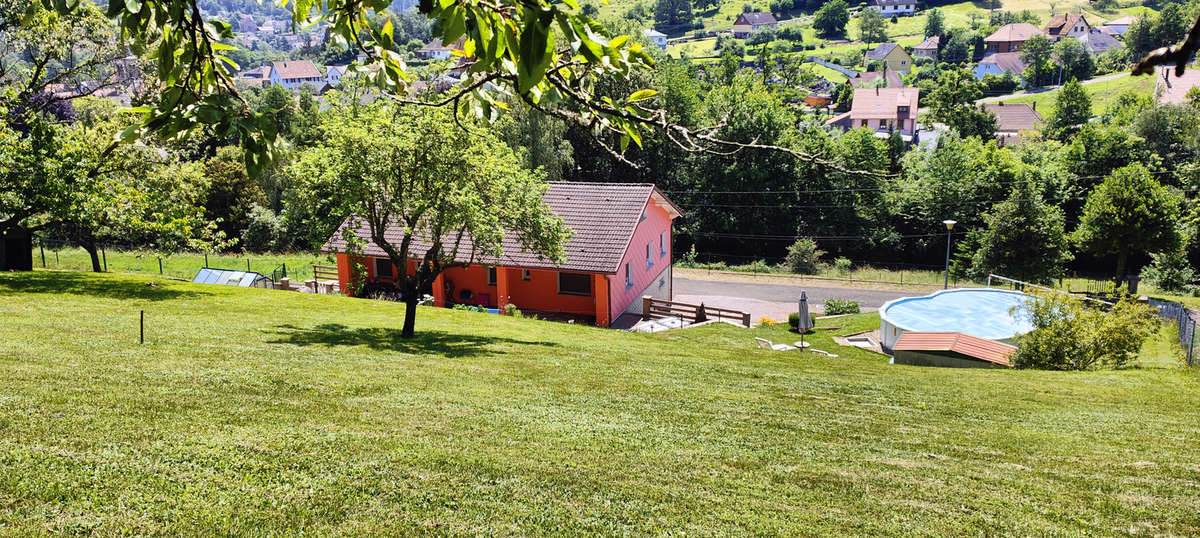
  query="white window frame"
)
[{"x": 491, "y": 276}]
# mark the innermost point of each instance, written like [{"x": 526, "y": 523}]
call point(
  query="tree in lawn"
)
[
  {"x": 830, "y": 21},
  {"x": 1024, "y": 238},
  {"x": 1036, "y": 55},
  {"x": 1072, "y": 110},
  {"x": 935, "y": 23},
  {"x": 951, "y": 101},
  {"x": 1077, "y": 63},
  {"x": 872, "y": 26},
  {"x": 1129, "y": 212},
  {"x": 451, "y": 194}
]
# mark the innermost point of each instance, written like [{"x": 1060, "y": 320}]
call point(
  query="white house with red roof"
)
[
  {"x": 291, "y": 74},
  {"x": 892, "y": 8},
  {"x": 619, "y": 251}
]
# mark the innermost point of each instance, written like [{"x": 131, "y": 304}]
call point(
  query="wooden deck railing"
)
[
  {"x": 325, "y": 272},
  {"x": 657, "y": 308}
]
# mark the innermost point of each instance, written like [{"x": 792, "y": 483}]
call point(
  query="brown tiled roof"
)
[
  {"x": 1060, "y": 25},
  {"x": 1017, "y": 31},
  {"x": 1174, "y": 89},
  {"x": 293, "y": 69},
  {"x": 1015, "y": 117},
  {"x": 962, "y": 344},
  {"x": 869, "y": 78},
  {"x": 1008, "y": 62},
  {"x": 883, "y": 103},
  {"x": 930, "y": 43},
  {"x": 602, "y": 218},
  {"x": 756, "y": 17}
]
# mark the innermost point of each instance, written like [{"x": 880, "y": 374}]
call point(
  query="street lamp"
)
[{"x": 949, "y": 226}]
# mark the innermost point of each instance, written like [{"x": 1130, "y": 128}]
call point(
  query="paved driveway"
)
[{"x": 775, "y": 300}]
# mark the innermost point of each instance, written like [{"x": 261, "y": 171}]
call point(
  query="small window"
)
[
  {"x": 524, "y": 274},
  {"x": 662, "y": 245},
  {"x": 643, "y": 215},
  {"x": 649, "y": 259},
  {"x": 383, "y": 268},
  {"x": 491, "y": 276},
  {"x": 628, "y": 277},
  {"x": 574, "y": 284}
]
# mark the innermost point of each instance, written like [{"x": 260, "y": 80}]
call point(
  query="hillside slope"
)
[{"x": 263, "y": 412}]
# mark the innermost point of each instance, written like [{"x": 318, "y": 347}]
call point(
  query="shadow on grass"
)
[
  {"x": 89, "y": 284},
  {"x": 453, "y": 345}
]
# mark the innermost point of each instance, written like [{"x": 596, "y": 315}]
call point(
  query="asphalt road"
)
[{"x": 780, "y": 293}]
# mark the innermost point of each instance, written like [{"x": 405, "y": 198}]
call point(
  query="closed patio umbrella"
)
[{"x": 805, "y": 323}]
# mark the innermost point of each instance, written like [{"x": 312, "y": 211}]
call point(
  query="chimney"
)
[
  {"x": 1035, "y": 106},
  {"x": 876, "y": 89}
]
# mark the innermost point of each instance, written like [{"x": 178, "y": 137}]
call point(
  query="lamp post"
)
[{"x": 949, "y": 226}]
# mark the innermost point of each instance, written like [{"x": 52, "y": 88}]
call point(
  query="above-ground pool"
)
[{"x": 982, "y": 312}]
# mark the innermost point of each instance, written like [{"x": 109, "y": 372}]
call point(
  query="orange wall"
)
[{"x": 540, "y": 292}]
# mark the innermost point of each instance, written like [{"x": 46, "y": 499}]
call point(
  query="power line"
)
[{"x": 888, "y": 187}]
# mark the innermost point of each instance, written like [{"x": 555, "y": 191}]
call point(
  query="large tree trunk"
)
[
  {"x": 90, "y": 247},
  {"x": 1122, "y": 257},
  {"x": 410, "y": 315}
]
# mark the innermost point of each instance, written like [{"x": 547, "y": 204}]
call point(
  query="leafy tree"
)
[
  {"x": 1095, "y": 152},
  {"x": 1129, "y": 212},
  {"x": 231, "y": 193},
  {"x": 1172, "y": 132},
  {"x": 1024, "y": 238},
  {"x": 958, "y": 46},
  {"x": 452, "y": 196},
  {"x": 278, "y": 105},
  {"x": 935, "y": 23},
  {"x": 1077, "y": 63},
  {"x": 803, "y": 257},
  {"x": 538, "y": 140},
  {"x": 1036, "y": 54},
  {"x": 830, "y": 21},
  {"x": 951, "y": 102},
  {"x": 761, "y": 36},
  {"x": 668, "y": 13},
  {"x": 1169, "y": 271},
  {"x": 1072, "y": 110},
  {"x": 1068, "y": 335},
  {"x": 872, "y": 26}
]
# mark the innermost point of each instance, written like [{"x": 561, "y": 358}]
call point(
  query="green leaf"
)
[
  {"x": 128, "y": 134},
  {"x": 641, "y": 95},
  {"x": 133, "y": 6},
  {"x": 536, "y": 49}
]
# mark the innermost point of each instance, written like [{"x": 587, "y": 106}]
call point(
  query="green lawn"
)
[
  {"x": 1103, "y": 94},
  {"x": 182, "y": 265},
  {"x": 256, "y": 412}
]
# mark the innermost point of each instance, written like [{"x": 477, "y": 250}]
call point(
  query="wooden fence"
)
[{"x": 657, "y": 308}]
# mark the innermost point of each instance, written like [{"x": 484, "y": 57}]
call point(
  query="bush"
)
[
  {"x": 1068, "y": 335},
  {"x": 791, "y": 33},
  {"x": 1169, "y": 271},
  {"x": 512, "y": 310},
  {"x": 803, "y": 256},
  {"x": 263, "y": 230},
  {"x": 794, "y": 320},
  {"x": 842, "y": 265},
  {"x": 762, "y": 35},
  {"x": 837, "y": 307}
]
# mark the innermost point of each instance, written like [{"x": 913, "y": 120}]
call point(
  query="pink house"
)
[{"x": 620, "y": 250}]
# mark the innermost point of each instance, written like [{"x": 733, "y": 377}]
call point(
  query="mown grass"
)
[
  {"x": 256, "y": 412},
  {"x": 1103, "y": 94},
  {"x": 181, "y": 265}
]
